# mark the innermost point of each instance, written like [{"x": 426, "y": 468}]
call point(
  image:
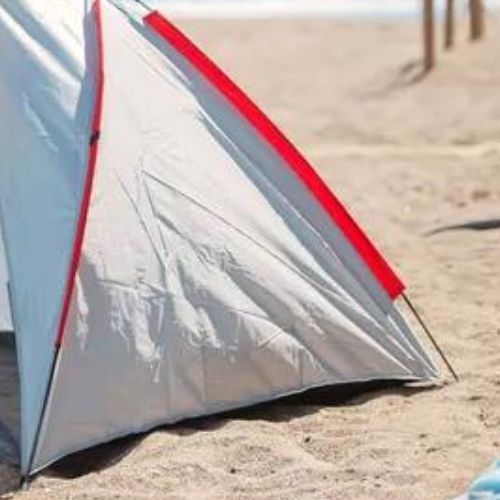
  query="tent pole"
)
[
  {"x": 94, "y": 138},
  {"x": 24, "y": 483},
  {"x": 431, "y": 337},
  {"x": 26, "y": 477}
]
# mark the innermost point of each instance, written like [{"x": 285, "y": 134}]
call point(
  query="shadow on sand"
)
[
  {"x": 478, "y": 225},
  {"x": 285, "y": 409},
  {"x": 405, "y": 76}
]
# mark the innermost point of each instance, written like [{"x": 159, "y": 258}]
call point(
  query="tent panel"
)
[
  {"x": 203, "y": 286},
  {"x": 47, "y": 97},
  {"x": 372, "y": 258}
]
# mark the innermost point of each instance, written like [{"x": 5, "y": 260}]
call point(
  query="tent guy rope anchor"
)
[{"x": 430, "y": 335}]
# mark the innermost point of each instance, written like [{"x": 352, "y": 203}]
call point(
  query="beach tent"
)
[{"x": 169, "y": 252}]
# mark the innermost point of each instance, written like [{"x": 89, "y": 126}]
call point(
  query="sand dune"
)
[{"x": 408, "y": 156}]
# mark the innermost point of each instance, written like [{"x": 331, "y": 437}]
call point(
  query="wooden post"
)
[
  {"x": 476, "y": 9},
  {"x": 449, "y": 24},
  {"x": 428, "y": 32}
]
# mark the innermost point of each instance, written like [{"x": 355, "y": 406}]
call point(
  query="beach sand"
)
[{"x": 407, "y": 156}]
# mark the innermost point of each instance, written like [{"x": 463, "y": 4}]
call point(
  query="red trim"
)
[
  {"x": 91, "y": 164},
  {"x": 271, "y": 134}
]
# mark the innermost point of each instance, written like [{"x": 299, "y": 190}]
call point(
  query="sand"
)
[{"x": 407, "y": 156}]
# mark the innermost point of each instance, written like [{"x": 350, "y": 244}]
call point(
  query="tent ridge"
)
[{"x": 375, "y": 262}]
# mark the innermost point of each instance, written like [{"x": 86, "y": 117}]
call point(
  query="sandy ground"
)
[{"x": 407, "y": 156}]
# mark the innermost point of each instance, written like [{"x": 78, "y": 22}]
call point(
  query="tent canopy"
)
[{"x": 170, "y": 253}]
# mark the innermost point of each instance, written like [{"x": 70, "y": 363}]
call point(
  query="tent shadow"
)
[
  {"x": 9, "y": 480},
  {"x": 285, "y": 409}
]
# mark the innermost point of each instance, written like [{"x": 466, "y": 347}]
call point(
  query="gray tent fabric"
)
[{"x": 208, "y": 275}]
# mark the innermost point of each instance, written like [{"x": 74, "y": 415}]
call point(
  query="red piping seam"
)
[
  {"x": 288, "y": 152},
  {"x": 91, "y": 164}
]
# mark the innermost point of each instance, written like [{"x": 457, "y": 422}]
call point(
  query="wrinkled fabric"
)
[
  {"x": 210, "y": 277},
  {"x": 45, "y": 102}
]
